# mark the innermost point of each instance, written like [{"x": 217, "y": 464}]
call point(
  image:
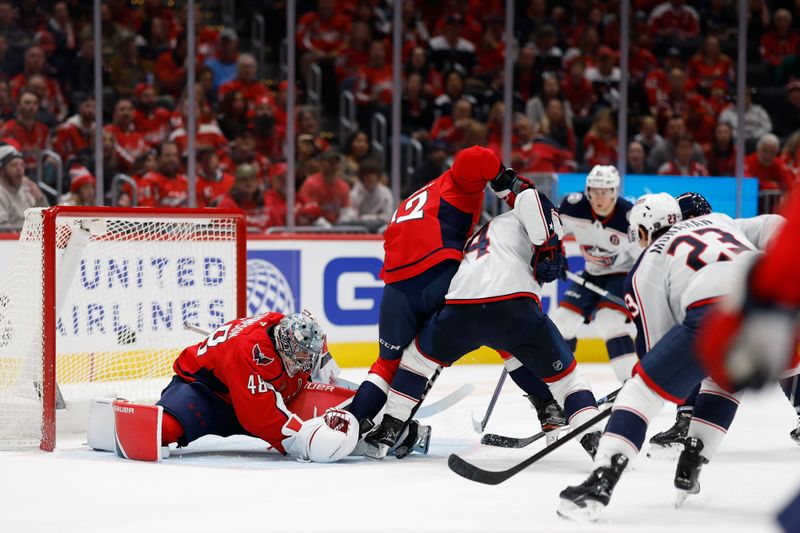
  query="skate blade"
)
[
  {"x": 681, "y": 497},
  {"x": 589, "y": 512},
  {"x": 664, "y": 453}
]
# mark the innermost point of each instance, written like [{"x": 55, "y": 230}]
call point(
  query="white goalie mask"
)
[
  {"x": 653, "y": 212},
  {"x": 299, "y": 340},
  {"x": 602, "y": 177}
]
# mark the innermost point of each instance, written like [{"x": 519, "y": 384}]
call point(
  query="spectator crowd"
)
[{"x": 681, "y": 117}]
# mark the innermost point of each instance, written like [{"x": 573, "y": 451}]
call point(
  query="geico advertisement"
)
[
  {"x": 338, "y": 280},
  {"x": 153, "y": 289},
  {"x": 129, "y": 296}
]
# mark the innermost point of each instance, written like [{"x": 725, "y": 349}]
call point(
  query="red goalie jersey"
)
[{"x": 238, "y": 361}]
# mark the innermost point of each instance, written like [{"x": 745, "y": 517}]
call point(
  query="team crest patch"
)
[
  {"x": 260, "y": 358},
  {"x": 574, "y": 197},
  {"x": 558, "y": 365},
  {"x": 614, "y": 240}
]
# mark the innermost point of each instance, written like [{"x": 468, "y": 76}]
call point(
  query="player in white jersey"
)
[
  {"x": 685, "y": 267},
  {"x": 598, "y": 219},
  {"x": 493, "y": 301}
]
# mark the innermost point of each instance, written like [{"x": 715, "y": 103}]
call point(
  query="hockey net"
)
[{"x": 96, "y": 303}]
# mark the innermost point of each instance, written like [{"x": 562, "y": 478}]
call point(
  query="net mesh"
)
[{"x": 126, "y": 288}]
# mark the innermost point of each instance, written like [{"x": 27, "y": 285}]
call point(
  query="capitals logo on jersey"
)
[{"x": 260, "y": 358}]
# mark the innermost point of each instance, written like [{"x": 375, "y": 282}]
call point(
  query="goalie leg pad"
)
[
  {"x": 137, "y": 430},
  {"x": 713, "y": 415},
  {"x": 635, "y": 406},
  {"x": 315, "y": 398},
  {"x": 100, "y": 431}
]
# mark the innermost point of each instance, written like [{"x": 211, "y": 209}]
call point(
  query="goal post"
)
[{"x": 96, "y": 302}]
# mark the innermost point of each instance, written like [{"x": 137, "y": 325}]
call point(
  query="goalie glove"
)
[
  {"x": 507, "y": 185},
  {"x": 549, "y": 261}
]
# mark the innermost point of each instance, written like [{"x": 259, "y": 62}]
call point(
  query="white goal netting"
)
[{"x": 126, "y": 287}]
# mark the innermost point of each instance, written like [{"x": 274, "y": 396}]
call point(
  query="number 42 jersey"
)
[
  {"x": 434, "y": 223},
  {"x": 696, "y": 262}
]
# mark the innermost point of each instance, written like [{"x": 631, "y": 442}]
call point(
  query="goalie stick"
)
[
  {"x": 493, "y": 477},
  {"x": 501, "y": 441},
  {"x": 424, "y": 411},
  {"x": 594, "y": 288}
]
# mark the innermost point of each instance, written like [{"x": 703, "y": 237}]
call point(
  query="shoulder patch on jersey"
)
[{"x": 574, "y": 197}]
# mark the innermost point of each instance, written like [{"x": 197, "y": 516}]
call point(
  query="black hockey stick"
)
[
  {"x": 492, "y": 477},
  {"x": 501, "y": 441},
  {"x": 580, "y": 280},
  {"x": 480, "y": 426}
]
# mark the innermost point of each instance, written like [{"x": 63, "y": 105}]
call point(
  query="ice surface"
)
[{"x": 231, "y": 485}]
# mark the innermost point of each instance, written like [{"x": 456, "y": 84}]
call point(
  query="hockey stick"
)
[
  {"x": 491, "y": 477},
  {"x": 580, "y": 280},
  {"x": 480, "y": 426},
  {"x": 447, "y": 402},
  {"x": 501, "y": 441}
]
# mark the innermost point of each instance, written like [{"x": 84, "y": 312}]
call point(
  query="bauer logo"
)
[{"x": 273, "y": 281}]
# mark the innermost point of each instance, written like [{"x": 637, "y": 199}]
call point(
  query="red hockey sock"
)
[{"x": 171, "y": 429}]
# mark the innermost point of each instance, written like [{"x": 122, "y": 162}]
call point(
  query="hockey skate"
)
[
  {"x": 586, "y": 501},
  {"x": 670, "y": 439},
  {"x": 379, "y": 440},
  {"x": 416, "y": 438},
  {"x": 551, "y": 417},
  {"x": 795, "y": 433},
  {"x": 590, "y": 442},
  {"x": 689, "y": 464}
]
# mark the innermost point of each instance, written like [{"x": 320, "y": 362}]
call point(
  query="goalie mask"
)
[{"x": 299, "y": 340}]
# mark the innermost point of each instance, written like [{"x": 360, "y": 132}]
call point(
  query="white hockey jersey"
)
[
  {"x": 696, "y": 262},
  {"x": 604, "y": 241},
  {"x": 497, "y": 259}
]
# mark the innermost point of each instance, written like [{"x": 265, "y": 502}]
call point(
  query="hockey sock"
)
[
  {"x": 572, "y": 343},
  {"x": 687, "y": 406},
  {"x": 573, "y": 393},
  {"x": 622, "y": 354},
  {"x": 790, "y": 389},
  {"x": 712, "y": 416},
  {"x": 410, "y": 382},
  {"x": 528, "y": 381},
  {"x": 635, "y": 406},
  {"x": 371, "y": 395}
]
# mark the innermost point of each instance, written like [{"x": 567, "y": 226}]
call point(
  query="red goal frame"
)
[{"x": 49, "y": 217}]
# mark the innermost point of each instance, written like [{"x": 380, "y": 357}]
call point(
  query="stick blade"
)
[
  {"x": 501, "y": 441},
  {"x": 473, "y": 473}
]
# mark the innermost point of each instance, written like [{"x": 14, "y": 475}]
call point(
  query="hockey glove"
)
[
  {"x": 548, "y": 260},
  {"x": 507, "y": 185}
]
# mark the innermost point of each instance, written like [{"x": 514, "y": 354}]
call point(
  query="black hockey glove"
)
[
  {"x": 548, "y": 260},
  {"x": 507, "y": 185}
]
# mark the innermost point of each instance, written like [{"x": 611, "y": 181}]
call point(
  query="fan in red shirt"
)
[
  {"x": 781, "y": 40},
  {"x": 373, "y": 83},
  {"x": 212, "y": 182},
  {"x": 30, "y": 134},
  {"x": 306, "y": 210},
  {"x": 764, "y": 164},
  {"x": 152, "y": 121},
  {"x": 327, "y": 189},
  {"x": 75, "y": 134},
  {"x": 683, "y": 164},
  {"x": 709, "y": 65},
  {"x": 423, "y": 247},
  {"x": 128, "y": 143},
  {"x": 656, "y": 83},
  {"x": 170, "y": 70},
  {"x": 35, "y": 62},
  {"x": 600, "y": 143},
  {"x": 577, "y": 90},
  {"x": 165, "y": 187},
  {"x": 674, "y": 20},
  {"x": 532, "y": 153},
  {"x": 323, "y": 32},
  {"x": 451, "y": 128},
  {"x": 244, "y": 379},
  {"x": 246, "y": 83},
  {"x": 721, "y": 155}
]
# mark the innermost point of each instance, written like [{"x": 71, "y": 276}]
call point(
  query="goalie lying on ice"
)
[{"x": 250, "y": 376}]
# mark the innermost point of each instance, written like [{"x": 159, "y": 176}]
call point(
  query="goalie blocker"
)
[{"x": 143, "y": 432}]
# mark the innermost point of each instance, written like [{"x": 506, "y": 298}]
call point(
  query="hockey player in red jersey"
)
[
  {"x": 423, "y": 247},
  {"x": 243, "y": 378}
]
